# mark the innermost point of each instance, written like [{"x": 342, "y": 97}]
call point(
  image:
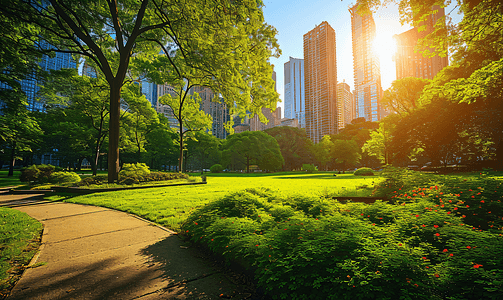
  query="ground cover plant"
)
[
  {"x": 19, "y": 240},
  {"x": 440, "y": 239},
  {"x": 170, "y": 206}
]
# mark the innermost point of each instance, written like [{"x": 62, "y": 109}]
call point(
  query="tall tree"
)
[
  {"x": 253, "y": 147},
  {"x": 294, "y": 144},
  {"x": 322, "y": 151},
  {"x": 346, "y": 153},
  {"x": 111, "y": 32},
  {"x": 403, "y": 95}
]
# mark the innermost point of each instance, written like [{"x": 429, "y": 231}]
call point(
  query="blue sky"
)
[{"x": 294, "y": 18}]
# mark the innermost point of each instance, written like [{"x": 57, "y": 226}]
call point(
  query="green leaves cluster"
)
[{"x": 310, "y": 247}]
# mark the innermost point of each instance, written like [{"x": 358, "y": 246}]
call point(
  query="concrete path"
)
[{"x": 92, "y": 252}]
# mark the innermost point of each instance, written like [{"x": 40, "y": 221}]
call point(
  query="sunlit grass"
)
[
  {"x": 170, "y": 206},
  {"x": 9, "y": 181},
  {"x": 19, "y": 240}
]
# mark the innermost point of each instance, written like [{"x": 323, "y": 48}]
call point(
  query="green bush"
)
[
  {"x": 309, "y": 168},
  {"x": 364, "y": 172},
  {"x": 38, "y": 173},
  {"x": 216, "y": 168},
  {"x": 65, "y": 178},
  {"x": 309, "y": 248},
  {"x": 94, "y": 180},
  {"x": 137, "y": 170}
]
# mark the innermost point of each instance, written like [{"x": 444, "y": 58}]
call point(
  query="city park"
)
[{"x": 301, "y": 230}]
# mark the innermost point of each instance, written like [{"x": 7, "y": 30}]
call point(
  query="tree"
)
[
  {"x": 379, "y": 143},
  {"x": 159, "y": 145},
  {"x": 186, "y": 110},
  {"x": 403, "y": 95},
  {"x": 19, "y": 131},
  {"x": 322, "y": 151},
  {"x": 253, "y": 147},
  {"x": 345, "y": 152},
  {"x": 86, "y": 100},
  {"x": 204, "y": 150},
  {"x": 112, "y": 32},
  {"x": 139, "y": 119},
  {"x": 294, "y": 144}
]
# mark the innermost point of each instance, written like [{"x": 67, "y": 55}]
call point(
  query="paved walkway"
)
[{"x": 92, "y": 252}]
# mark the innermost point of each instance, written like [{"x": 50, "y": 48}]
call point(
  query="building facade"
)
[
  {"x": 295, "y": 100},
  {"x": 345, "y": 105},
  {"x": 320, "y": 82},
  {"x": 410, "y": 64},
  {"x": 217, "y": 110},
  {"x": 366, "y": 67}
]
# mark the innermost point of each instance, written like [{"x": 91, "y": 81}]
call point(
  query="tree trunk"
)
[
  {"x": 12, "y": 160},
  {"x": 113, "y": 144},
  {"x": 180, "y": 159},
  {"x": 247, "y": 165}
]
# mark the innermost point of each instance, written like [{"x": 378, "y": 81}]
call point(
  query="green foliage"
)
[
  {"x": 18, "y": 242},
  {"x": 65, "y": 178},
  {"x": 38, "y": 173},
  {"x": 309, "y": 168},
  {"x": 252, "y": 147},
  {"x": 364, "y": 172},
  {"x": 216, "y": 168},
  {"x": 294, "y": 144},
  {"x": 309, "y": 248},
  {"x": 138, "y": 170},
  {"x": 93, "y": 180}
]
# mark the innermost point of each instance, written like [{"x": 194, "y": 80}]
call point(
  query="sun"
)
[{"x": 384, "y": 47}]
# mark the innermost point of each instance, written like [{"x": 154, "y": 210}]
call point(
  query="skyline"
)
[{"x": 294, "y": 19}]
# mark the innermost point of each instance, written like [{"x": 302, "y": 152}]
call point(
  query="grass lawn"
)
[
  {"x": 9, "y": 181},
  {"x": 19, "y": 240},
  {"x": 170, "y": 206}
]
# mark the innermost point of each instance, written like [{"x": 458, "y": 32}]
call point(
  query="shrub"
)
[
  {"x": 364, "y": 172},
  {"x": 94, "y": 180},
  {"x": 216, "y": 168},
  {"x": 38, "y": 173},
  {"x": 308, "y": 248},
  {"x": 309, "y": 168},
  {"x": 66, "y": 178},
  {"x": 138, "y": 170}
]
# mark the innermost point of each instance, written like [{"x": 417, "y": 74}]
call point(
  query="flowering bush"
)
[{"x": 301, "y": 247}]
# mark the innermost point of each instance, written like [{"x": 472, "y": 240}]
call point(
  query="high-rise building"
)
[
  {"x": 320, "y": 71},
  {"x": 410, "y": 64},
  {"x": 273, "y": 117},
  {"x": 217, "y": 110},
  {"x": 295, "y": 100},
  {"x": 345, "y": 99},
  {"x": 166, "y": 110},
  {"x": 30, "y": 85},
  {"x": 149, "y": 89},
  {"x": 367, "y": 75}
]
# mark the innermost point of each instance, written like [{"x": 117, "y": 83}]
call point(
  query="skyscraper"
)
[
  {"x": 366, "y": 67},
  {"x": 295, "y": 100},
  {"x": 410, "y": 64},
  {"x": 320, "y": 82},
  {"x": 217, "y": 110},
  {"x": 345, "y": 99}
]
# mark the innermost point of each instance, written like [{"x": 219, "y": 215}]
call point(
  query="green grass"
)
[
  {"x": 9, "y": 181},
  {"x": 170, "y": 206},
  {"x": 19, "y": 241}
]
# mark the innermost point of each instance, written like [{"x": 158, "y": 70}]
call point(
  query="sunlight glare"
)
[{"x": 384, "y": 46}]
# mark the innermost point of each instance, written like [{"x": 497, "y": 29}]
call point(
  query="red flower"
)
[
  {"x": 436, "y": 275},
  {"x": 445, "y": 250},
  {"x": 436, "y": 226},
  {"x": 256, "y": 245},
  {"x": 463, "y": 216},
  {"x": 482, "y": 201},
  {"x": 400, "y": 245},
  {"x": 476, "y": 266},
  {"x": 417, "y": 216},
  {"x": 451, "y": 254},
  {"x": 437, "y": 234},
  {"x": 455, "y": 208},
  {"x": 424, "y": 257},
  {"x": 468, "y": 247},
  {"x": 423, "y": 225},
  {"x": 448, "y": 212}
]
